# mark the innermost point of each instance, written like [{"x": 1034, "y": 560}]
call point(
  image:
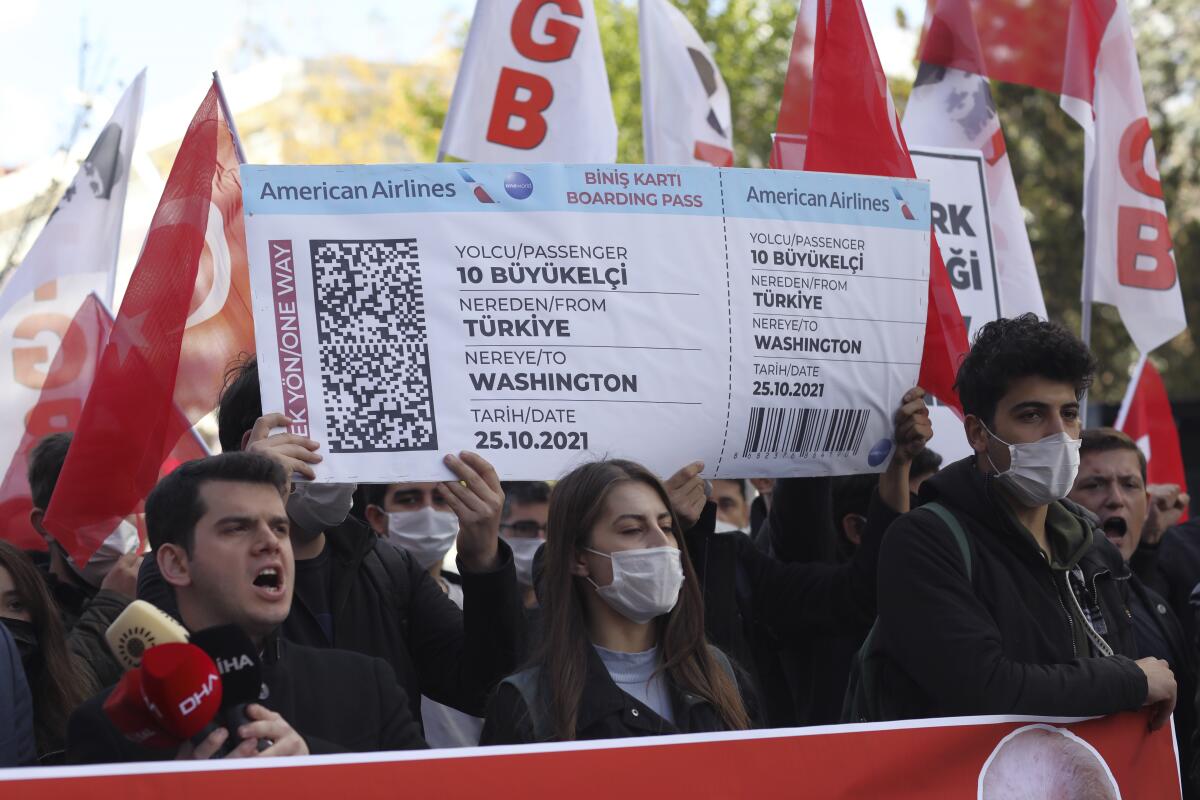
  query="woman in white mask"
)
[{"x": 623, "y": 651}]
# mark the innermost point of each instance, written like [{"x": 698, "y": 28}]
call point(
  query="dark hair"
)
[
  {"x": 523, "y": 493},
  {"x": 576, "y": 504},
  {"x": 240, "y": 403},
  {"x": 45, "y": 463},
  {"x": 852, "y": 495},
  {"x": 926, "y": 462},
  {"x": 743, "y": 486},
  {"x": 1104, "y": 440},
  {"x": 1006, "y": 350},
  {"x": 374, "y": 493},
  {"x": 174, "y": 505},
  {"x": 63, "y": 682}
]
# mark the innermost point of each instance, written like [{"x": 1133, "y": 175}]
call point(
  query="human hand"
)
[
  {"x": 685, "y": 489},
  {"x": 1166, "y": 506},
  {"x": 478, "y": 501},
  {"x": 122, "y": 578},
  {"x": 912, "y": 426},
  {"x": 1161, "y": 690},
  {"x": 293, "y": 452}
]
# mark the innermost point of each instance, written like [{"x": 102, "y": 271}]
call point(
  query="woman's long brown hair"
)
[
  {"x": 63, "y": 682},
  {"x": 576, "y": 504}
]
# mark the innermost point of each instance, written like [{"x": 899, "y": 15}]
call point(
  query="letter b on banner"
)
[
  {"x": 1157, "y": 270},
  {"x": 522, "y": 95}
]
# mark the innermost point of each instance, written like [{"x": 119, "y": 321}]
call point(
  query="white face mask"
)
[
  {"x": 524, "y": 549},
  {"x": 315, "y": 508},
  {"x": 726, "y": 527},
  {"x": 1040, "y": 472},
  {"x": 122, "y": 541},
  {"x": 426, "y": 534},
  {"x": 645, "y": 582}
]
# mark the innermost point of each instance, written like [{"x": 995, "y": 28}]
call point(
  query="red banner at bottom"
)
[{"x": 990, "y": 758}]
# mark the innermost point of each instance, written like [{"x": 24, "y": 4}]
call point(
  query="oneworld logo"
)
[{"x": 518, "y": 185}]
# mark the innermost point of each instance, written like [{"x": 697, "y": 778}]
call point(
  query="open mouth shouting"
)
[
  {"x": 1115, "y": 529},
  {"x": 269, "y": 583}
]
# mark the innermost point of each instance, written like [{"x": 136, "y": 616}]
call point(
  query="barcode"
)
[{"x": 805, "y": 431}]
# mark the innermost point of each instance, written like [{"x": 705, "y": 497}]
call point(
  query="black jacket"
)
[
  {"x": 605, "y": 712},
  {"x": 817, "y": 669},
  {"x": 86, "y": 614},
  {"x": 385, "y": 605},
  {"x": 339, "y": 702},
  {"x": 755, "y": 605},
  {"x": 1160, "y": 635},
  {"x": 1172, "y": 568},
  {"x": 1003, "y": 641}
]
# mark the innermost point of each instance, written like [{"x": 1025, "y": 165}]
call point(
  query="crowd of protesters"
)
[{"x": 1039, "y": 576}]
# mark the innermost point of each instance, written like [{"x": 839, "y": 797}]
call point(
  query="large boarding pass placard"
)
[{"x": 765, "y": 322}]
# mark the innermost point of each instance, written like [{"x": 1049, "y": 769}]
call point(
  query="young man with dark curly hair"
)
[{"x": 997, "y": 596}]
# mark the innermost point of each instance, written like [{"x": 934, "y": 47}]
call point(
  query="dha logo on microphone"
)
[
  {"x": 189, "y": 704},
  {"x": 518, "y": 185}
]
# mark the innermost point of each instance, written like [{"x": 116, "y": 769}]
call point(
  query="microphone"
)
[
  {"x": 181, "y": 687},
  {"x": 237, "y": 660},
  {"x": 140, "y": 627},
  {"x": 126, "y": 709}
]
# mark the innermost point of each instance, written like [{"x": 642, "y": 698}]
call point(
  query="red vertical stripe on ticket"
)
[{"x": 287, "y": 335}]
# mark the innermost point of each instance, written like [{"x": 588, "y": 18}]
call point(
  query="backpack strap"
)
[
  {"x": 956, "y": 530},
  {"x": 526, "y": 684}
]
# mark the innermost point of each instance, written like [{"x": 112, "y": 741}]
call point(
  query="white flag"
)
[
  {"x": 75, "y": 255},
  {"x": 1128, "y": 257},
  {"x": 531, "y": 87},
  {"x": 685, "y": 105},
  {"x": 953, "y": 107}
]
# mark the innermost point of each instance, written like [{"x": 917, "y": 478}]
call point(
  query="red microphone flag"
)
[
  {"x": 853, "y": 129},
  {"x": 1146, "y": 417},
  {"x": 129, "y": 424}
]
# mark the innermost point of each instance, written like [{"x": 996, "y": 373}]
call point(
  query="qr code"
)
[{"x": 374, "y": 353}]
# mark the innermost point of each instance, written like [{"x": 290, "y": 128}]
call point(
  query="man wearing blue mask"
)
[{"x": 997, "y": 596}]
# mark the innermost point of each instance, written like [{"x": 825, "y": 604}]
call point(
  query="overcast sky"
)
[{"x": 182, "y": 43}]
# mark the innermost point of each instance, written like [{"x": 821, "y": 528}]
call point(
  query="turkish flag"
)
[
  {"x": 1146, "y": 417},
  {"x": 853, "y": 128},
  {"x": 220, "y": 323},
  {"x": 58, "y": 409},
  {"x": 129, "y": 424}
]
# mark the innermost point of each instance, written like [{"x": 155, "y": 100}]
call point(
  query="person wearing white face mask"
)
[
  {"x": 623, "y": 651},
  {"x": 997, "y": 596},
  {"x": 416, "y": 517}
]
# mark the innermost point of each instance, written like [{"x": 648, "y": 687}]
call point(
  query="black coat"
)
[
  {"x": 338, "y": 701},
  {"x": 817, "y": 669},
  {"x": 385, "y": 605},
  {"x": 1001, "y": 642},
  {"x": 1172, "y": 568},
  {"x": 606, "y": 711},
  {"x": 1150, "y": 610},
  {"x": 756, "y": 606}
]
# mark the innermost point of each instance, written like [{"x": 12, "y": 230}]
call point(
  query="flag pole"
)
[{"x": 237, "y": 140}]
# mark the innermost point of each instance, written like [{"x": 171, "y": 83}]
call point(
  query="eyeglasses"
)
[{"x": 525, "y": 528}]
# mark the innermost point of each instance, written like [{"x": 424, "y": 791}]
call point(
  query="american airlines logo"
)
[
  {"x": 189, "y": 704},
  {"x": 234, "y": 664}
]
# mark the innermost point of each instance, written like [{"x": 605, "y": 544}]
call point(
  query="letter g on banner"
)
[{"x": 522, "y": 96}]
